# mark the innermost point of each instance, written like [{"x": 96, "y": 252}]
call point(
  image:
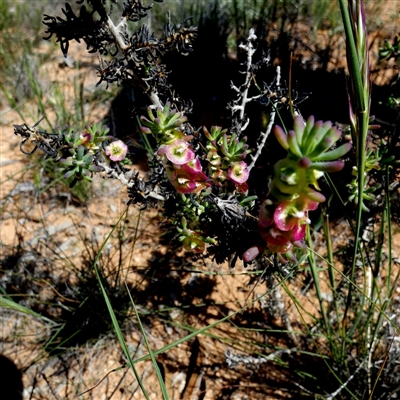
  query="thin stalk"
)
[
  {"x": 334, "y": 190},
  {"x": 314, "y": 273},
  {"x": 361, "y": 183},
  {"x": 151, "y": 354},
  {"x": 369, "y": 339},
  {"x": 12, "y": 102},
  {"x": 38, "y": 91},
  {"x": 112, "y": 314},
  {"x": 331, "y": 271},
  {"x": 376, "y": 307},
  {"x": 389, "y": 229},
  {"x": 358, "y": 64},
  {"x": 79, "y": 101},
  {"x": 364, "y": 296},
  {"x": 389, "y": 284},
  {"x": 352, "y": 57},
  {"x": 385, "y": 222},
  {"x": 379, "y": 245},
  {"x": 311, "y": 335},
  {"x": 134, "y": 241}
]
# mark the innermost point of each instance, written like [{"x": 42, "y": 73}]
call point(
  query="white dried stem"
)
[
  {"x": 125, "y": 179},
  {"x": 245, "y": 125},
  {"x": 235, "y": 88},
  {"x": 155, "y": 99},
  {"x": 116, "y": 31},
  {"x": 264, "y": 135},
  {"x": 243, "y": 99},
  {"x": 235, "y": 359},
  {"x": 333, "y": 395}
]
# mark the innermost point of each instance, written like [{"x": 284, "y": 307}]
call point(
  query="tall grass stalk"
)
[
  {"x": 112, "y": 313},
  {"x": 347, "y": 343},
  {"x": 239, "y": 344},
  {"x": 359, "y": 102},
  {"x": 315, "y": 276},
  {"x": 331, "y": 271},
  {"x": 151, "y": 354}
]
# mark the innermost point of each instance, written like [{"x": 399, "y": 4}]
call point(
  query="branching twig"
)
[
  {"x": 239, "y": 105},
  {"x": 116, "y": 32},
  {"x": 264, "y": 135},
  {"x": 335, "y": 393},
  {"x": 125, "y": 179},
  {"x": 280, "y": 305},
  {"x": 235, "y": 359}
]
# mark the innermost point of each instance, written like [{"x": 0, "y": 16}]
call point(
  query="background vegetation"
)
[{"x": 188, "y": 328}]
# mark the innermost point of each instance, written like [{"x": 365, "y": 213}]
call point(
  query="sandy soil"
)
[{"x": 48, "y": 244}]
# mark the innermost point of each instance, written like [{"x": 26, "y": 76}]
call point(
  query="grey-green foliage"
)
[{"x": 20, "y": 33}]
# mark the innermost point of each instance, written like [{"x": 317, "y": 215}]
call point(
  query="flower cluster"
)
[
  {"x": 183, "y": 168},
  {"x": 284, "y": 215},
  {"x": 192, "y": 240},
  {"x": 85, "y": 147},
  {"x": 226, "y": 168},
  {"x": 226, "y": 154}
]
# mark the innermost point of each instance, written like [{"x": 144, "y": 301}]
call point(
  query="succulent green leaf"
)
[
  {"x": 145, "y": 129},
  {"x": 281, "y": 137},
  {"x": 312, "y": 138},
  {"x": 328, "y": 166},
  {"x": 66, "y": 161},
  {"x": 334, "y": 154},
  {"x": 298, "y": 127},
  {"x": 307, "y": 129},
  {"x": 70, "y": 173},
  {"x": 330, "y": 138},
  {"x": 314, "y": 195},
  {"x": 293, "y": 144}
]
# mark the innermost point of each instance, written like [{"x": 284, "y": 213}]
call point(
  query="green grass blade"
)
[
  {"x": 8, "y": 303},
  {"x": 112, "y": 314},
  {"x": 151, "y": 354}
]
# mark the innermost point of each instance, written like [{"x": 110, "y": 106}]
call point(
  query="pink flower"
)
[
  {"x": 283, "y": 226},
  {"x": 280, "y": 242},
  {"x": 194, "y": 167},
  {"x": 242, "y": 188},
  {"x": 178, "y": 152},
  {"x": 213, "y": 157},
  {"x": 238, "y": 172},
  {"x": 292, "y": 216},
  {"x": 194, "y": 243},
  {"x": 117, "y": 150},
  {"x": 187, "y": 178},
  {"x": 277, "y": 241}
]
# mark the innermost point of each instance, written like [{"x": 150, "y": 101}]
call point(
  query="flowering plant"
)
[
  {"x": 294, "y": 190},
  {"x": 223, "y": 192},
  {"x": 201, "y": 176},
  {"x": 226, "y": 168},
  {"x": 183, "y": 168}
]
